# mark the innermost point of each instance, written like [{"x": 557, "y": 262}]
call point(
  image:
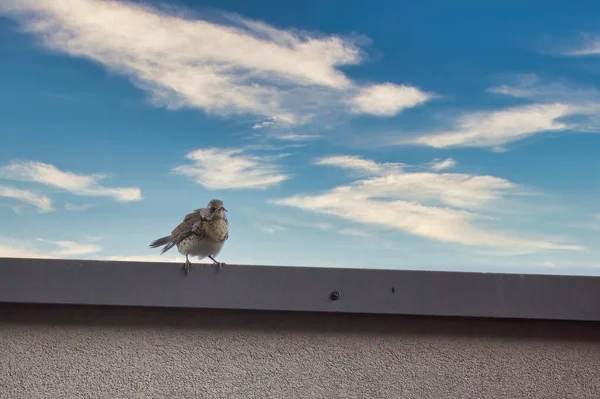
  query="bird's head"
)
[{"x": 216, "y": 208}]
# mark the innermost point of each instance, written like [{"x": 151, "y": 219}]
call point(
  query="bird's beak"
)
[{"x": 224, "y": 208}]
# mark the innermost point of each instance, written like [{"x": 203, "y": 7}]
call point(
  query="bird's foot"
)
[
  {"x": 187, "y": 266},
  {"x": 217, "y": 263}
]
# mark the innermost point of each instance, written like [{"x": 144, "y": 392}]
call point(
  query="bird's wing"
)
[
  {"x": 202, "y": 211},
  {"x": 192, "y": 223}
]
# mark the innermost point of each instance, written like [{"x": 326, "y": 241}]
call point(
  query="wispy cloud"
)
[
  {"x": 436, "y": 206},
  {"x": 43, "y": 203},
  {"x": 357, "y": 163},
  {"x": 56, "y": 249},
  {"x": 42, "y": 248},
  {"x": 71, "y": 248},
  {"x": 589, "y": 45},
  {"x": 218, "y": 168},
  {"x": 78, "y": 184},
  {"x": 270, "y": 228},
  {"x": 498, "y": 127},
  {"x": 447, "y": 163},
  {"x": 296, "y": 137},
  {"x": 565, "y": 265},
  {"x": 77, "y": 207},
  {"x": 454, "y": 189},
  {"x": 236, "y": 66},
  {"x": 553, "y": 107},
  {"x": 263, "y": 124},
  {"x": 271, "y": 223},
  {"x": 531, "y": 86}
]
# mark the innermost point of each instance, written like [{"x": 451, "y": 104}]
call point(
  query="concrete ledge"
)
[{"x": 313, "y": 289}]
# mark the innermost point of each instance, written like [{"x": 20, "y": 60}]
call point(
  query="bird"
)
[{"x": 202, "y": 233}]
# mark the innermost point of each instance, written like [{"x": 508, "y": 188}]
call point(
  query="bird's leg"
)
[
  {"x": 219, "y": 264},
  {"x": 187, "y": 266}
]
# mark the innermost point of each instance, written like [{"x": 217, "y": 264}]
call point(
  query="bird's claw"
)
[
  {"x": 187, "y": 267},
  {"x": 217, "y": 263}
]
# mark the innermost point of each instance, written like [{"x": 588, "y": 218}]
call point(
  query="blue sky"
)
[{"x": 412, "y": 135}]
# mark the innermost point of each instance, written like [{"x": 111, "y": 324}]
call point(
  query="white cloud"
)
[
  {"x": 43, "y": 203},
  {"x": 430, "y": 205},
  {"x": 296, "y": 137},
  {"x": 355, "y": 163},
  {"x": 86, "y": 249},
  {"x": 454, "y": 189},
  {"x": 531, "y": 86},
  {"x": 444, "y": 164},
  {"x": 263, "y": 124},
  {"x": 269, "y": 147},
  {"x": 556, "y": 107},
  {"x": 583, "y": 101},
  {"x": 78, "y": 184},
  {"x": 494, "y": 128},
  {"x": 71, "y": 248},
  {"x": 238, "y": 66},
  {"x": 216, "y": 169},
  {"x": 562, "y": 265},
  {"x": 11, "y": 248},
  {"x": 387, "y": 99},
  {"x": 61, "y": 249},
  {"x": 589, "y": 46}
]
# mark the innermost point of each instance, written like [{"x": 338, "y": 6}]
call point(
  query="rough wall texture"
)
[{"x": 87, "y": 352}]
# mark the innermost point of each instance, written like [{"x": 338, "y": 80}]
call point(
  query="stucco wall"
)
[{"x": 87, "y": 352}]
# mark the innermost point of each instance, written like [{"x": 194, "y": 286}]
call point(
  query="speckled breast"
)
[{"x": 217, "y": 229}]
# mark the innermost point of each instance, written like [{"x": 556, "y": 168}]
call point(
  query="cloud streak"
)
[
  {"x": 78, "y": 184},
  {"x": 217, "y": 169},
  {"x": 355, "y": 163},
  {"x": 296, "y": 137},
  {"x": 11, "y": 248},
  {"x": 498, "y": 127},
  {"x": 437, "y": 206},
  {"x": 444, "y": 164},
  {"x": 548, "y": 108},
  {"x": 588, "y": 46},
  {"x": 41, "y": 202},
  {"x": 238, "y": 66}
]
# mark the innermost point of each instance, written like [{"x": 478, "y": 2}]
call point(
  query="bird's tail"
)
[{"x": 166, "y": 241}]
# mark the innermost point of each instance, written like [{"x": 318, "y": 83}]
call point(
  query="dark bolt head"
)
[{"x": 335, "y": 295}]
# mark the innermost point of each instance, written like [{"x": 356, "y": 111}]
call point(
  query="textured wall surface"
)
[{"x": 88, "y": 352}]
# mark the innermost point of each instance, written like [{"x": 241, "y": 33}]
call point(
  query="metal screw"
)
[{"x": 335, "y": 295}]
